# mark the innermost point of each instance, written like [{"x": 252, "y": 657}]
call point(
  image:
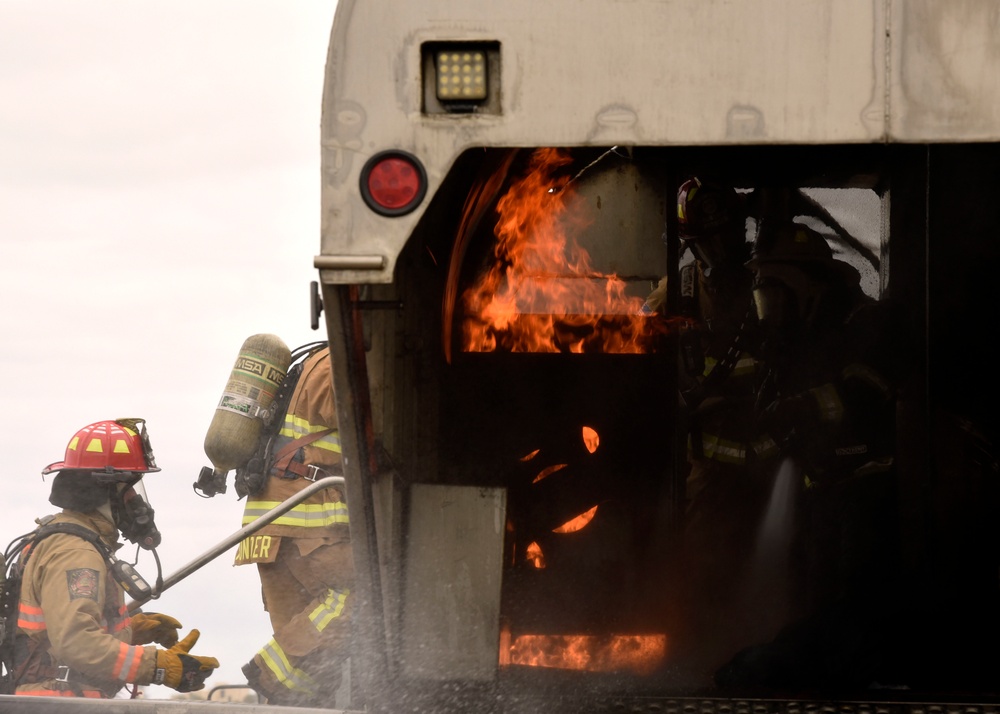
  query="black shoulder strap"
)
[
  {"x": 724, "y": 367},
  {"x": 79, "y": 531},
  {"x": 86, "y": 534}
]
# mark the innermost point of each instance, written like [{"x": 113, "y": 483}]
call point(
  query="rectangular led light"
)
[{"x": 461, "y": 75}]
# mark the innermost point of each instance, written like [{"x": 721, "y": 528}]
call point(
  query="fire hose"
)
[{"x": 249, "y": 529}]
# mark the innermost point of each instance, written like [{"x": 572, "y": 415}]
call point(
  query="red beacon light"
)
[{"x": 393, "y": 183}]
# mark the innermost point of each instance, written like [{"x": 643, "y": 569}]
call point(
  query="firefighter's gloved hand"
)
[
  {"x": 656, "y": 299},
  {"x": 148, "y": 627},
  {"x": 177, "y": 669}
]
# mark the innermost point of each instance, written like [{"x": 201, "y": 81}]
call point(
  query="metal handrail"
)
[{"x": 230, "y": 541}]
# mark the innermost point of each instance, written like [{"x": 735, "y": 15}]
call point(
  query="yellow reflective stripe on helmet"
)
[
  {"x": 330, "y": 608},
  {"x": 297, "y": 427},
  {"x": 831, "y": 409},
  {"x": 291, "y": 677},
  {"x": 305, "y": 515}
]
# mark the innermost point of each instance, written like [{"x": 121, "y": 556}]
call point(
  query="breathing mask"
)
[{"x": 134, "y": 516}]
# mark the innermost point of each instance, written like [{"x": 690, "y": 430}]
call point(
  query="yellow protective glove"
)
[
  {"x": 177, "y": 669},
  {"x": 150, "y": 627},
  {"x": 656, "y": 299}
]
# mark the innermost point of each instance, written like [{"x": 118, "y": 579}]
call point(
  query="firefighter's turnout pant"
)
[{"x": 306, "y": 591}]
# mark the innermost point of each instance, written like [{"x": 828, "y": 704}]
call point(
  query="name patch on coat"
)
[
  {"x": 257, "y": 549},
  {"x": 82, "y": 582}
]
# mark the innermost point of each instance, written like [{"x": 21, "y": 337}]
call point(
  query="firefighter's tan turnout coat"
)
[{"x": 72, "y": 618}]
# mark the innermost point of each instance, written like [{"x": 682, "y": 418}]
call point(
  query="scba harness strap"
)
[
  {"x": 36, "y": 665},
  {"x": 285, "y": 466}
]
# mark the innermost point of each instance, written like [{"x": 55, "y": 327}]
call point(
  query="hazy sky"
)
[{"x": 159, "y": 203}]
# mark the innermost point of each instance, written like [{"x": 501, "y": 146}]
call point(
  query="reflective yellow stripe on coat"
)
[
  {"x": 725, "y": 450},
  {"x": 304, "y": 515},
  {"x": 297, "y": 427}
]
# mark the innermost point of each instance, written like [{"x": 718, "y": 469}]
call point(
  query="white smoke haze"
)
[{"x": 159, "y": 203}]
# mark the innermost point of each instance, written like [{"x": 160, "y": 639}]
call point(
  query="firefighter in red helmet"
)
[
  {"x": 724, "y": 494},
  {"x": 74, "y": 633},
  {"x": 711, "y": 220},
  {"x": 715, "y": 290}
]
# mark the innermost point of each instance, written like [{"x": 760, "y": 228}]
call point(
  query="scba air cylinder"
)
[{"x": 258, "y": 373}]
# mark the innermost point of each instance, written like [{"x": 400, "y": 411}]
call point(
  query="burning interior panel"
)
[{"x": 581, "y": 444}]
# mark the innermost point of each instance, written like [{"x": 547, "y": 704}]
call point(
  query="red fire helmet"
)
[
  {"x": 115, "y": 448},
  {"x": 705, "y": 208}
]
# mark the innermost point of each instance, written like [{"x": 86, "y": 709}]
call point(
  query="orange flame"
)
[
  {"x": 548, "y": 471},
  {"x": 640, "y": 654},
  {"x": 535, "y": 555},
  {"x": 542, "y": 294},
  {"x": 578, "y": 523}
]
